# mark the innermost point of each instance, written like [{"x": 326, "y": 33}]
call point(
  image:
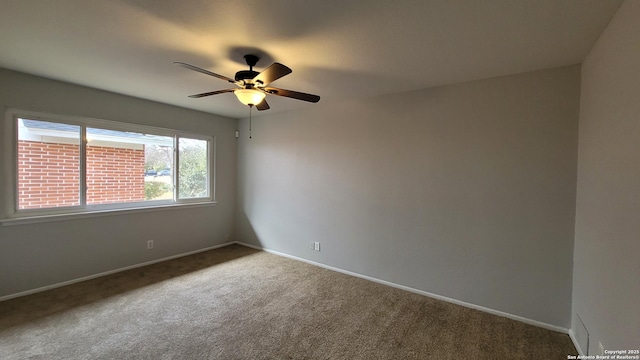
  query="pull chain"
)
[{"x": 250, "y": 107}]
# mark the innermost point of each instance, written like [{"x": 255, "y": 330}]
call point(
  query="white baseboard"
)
[
  {"x": 84, "y": 278},
  {"x": 417, "y": 291},
  {"x": 572, "y": 336}
]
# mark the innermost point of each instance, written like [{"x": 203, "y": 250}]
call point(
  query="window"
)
[
  {"x": 48, "y": 165},
  {"x": 75, "y": 165},
  {"x": 126, "y": 167},
  {"x": 192, "y": 156}
]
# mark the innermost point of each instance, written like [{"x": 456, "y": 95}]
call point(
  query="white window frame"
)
[{"x": 11, "y": 212}]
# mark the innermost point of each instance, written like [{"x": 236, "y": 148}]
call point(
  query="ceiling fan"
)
[{"x": 252, "y": 85}]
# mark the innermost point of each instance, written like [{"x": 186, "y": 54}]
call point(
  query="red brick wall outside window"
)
[
  {"x": 114, "y": 175},
  {"x": 49, "y": 176}
]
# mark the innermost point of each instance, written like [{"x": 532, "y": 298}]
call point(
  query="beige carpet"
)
[{"x": 239, "y": 303}]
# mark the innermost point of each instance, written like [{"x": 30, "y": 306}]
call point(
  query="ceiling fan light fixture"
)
[{"x": 249, "y": 97}]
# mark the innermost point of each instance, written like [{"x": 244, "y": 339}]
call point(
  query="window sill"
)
[{"x": 99, "y": 213}]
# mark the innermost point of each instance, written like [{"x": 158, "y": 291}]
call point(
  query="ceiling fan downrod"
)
[{"x": 251, "y": 60}]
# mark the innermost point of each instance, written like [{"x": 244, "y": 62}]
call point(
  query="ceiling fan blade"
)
[
  {"x": 263, "y": 105},
  {"x": 271, "y": 74},
  {"x": 293, "y": 94},
  {"x": 206, "y": 72},
  {"x": 196, "y": 96}
]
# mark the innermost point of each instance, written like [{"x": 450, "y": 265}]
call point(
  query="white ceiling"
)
[{"x": 337, "y": 49}]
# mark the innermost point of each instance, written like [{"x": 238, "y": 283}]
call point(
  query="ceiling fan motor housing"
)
[{"x": 246, "y": 75}]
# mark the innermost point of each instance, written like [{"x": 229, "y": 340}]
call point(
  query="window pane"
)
[
  {"x": 158, "y": 166},
  {"x": 193, "y": 165},
  {"x": 48, "y": 164},
  {"x": 128, "y": 167}
]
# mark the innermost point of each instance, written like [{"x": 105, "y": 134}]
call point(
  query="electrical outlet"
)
[
  {"x": 600, "y": 349},
  {"x": 316, "y": 246},
  {"x": 149, "y": 244}
]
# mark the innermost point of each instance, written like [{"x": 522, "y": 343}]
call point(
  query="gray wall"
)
[
  {"x": 466, "y": 191},
  {"x": 37, "y": 255},
  {"x": 606, "y": 289}
]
